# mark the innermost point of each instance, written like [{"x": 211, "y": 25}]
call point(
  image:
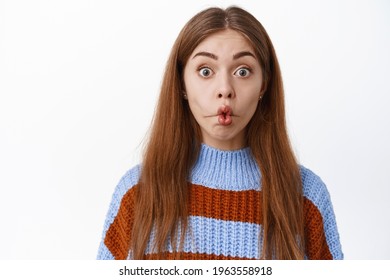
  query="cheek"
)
[
  {"x": 194, "y": 86},
  {"x": 250, "y": 110},
  {"x": 197, "y": 95},
  {"x": 250, "y": 102},
  {"x": 198, "y": 105}
]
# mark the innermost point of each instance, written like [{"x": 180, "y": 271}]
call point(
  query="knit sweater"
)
[{"x": 224, "y": 222}]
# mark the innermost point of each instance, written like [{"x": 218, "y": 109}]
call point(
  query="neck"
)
[{"x": 235, "y": 143}]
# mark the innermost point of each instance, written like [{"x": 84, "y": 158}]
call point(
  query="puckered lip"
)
[
  {"x": 225, "y": 110},
  {"x": 225, "y": 115}
]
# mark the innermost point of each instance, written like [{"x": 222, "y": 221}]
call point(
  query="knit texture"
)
[{"x": 225, "y": 212}]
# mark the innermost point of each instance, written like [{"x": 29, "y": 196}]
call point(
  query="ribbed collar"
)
[{"x": 234, "y": 170}]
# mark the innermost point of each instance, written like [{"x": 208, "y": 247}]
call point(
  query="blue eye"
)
[
  {"x": 205, "y": 72},
  {"x": 243, "y": 72}
]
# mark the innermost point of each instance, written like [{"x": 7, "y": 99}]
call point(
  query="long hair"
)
[{"x": 161, "y": 203}]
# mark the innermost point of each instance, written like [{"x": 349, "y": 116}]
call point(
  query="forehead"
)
[{"x": 228, "y": 40}]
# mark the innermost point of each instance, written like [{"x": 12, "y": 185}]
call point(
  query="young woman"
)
[{"x": 218, "y": 179}]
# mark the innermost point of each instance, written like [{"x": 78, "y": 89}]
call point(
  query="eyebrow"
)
[
  {"x": 207, "y": 54},
  {"x": 241, "y": 54},
  {"x": 215, "y": 57}
]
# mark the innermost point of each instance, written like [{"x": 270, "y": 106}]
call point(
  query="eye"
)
[
  {"x": 205, "y": 72},
  {"x": 243, "y": 72}
]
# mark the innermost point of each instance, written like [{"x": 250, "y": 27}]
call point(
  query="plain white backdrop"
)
[{"x": 79, "y": 81}]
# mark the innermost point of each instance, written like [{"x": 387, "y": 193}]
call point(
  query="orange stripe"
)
[
  {"x": 218, "y": 204},
  {"x": 191, "y": 256},
  {"x": 238, "y": 206},
  {"x": 117, "y": 237},
  {"x": 316, "y": 245}
]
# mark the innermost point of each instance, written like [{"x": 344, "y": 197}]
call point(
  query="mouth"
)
[{"x": 225, "y": 114}]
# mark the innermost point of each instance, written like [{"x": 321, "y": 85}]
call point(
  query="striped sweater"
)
[{"x": 224, "y": 222}]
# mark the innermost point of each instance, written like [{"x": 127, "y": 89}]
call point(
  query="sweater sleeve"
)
[
  {"x": 321, "y": 233},
  {"x": 127, "y": 182}
]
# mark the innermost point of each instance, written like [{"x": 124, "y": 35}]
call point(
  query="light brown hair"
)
[{"x": 174, "y": 142}]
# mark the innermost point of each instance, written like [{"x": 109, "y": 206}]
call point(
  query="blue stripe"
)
[
  {"x": 214, "y": 236},
  {"x": 104, "y": 253},
  {"x": 227, "y": 170}
]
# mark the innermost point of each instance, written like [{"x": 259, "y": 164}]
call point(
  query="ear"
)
[
  {"x": 263, "y": 90},
  {"x": 184, "y": 95}
]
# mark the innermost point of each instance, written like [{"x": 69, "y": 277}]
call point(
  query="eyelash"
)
[{"x": 211, "y": 70}]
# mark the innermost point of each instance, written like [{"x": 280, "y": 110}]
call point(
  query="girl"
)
[{"x": 218, "y": 179}]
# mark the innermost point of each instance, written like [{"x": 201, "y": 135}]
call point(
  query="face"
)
[{"x": 223, "y": 84}]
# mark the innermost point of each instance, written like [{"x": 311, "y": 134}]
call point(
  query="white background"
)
[{"x": 78, "y": 85}]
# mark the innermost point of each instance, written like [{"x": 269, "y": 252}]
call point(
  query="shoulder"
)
[
  {"x": 317, "y": 195},
  {"x": 126, "y": 183},
  {"x": 314, "y": 189},
  {"x": 320, "y": 217},
  {"x": 128, "y": 180}
]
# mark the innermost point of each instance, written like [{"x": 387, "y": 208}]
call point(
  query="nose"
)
[{"x": 225, "y": 88}]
